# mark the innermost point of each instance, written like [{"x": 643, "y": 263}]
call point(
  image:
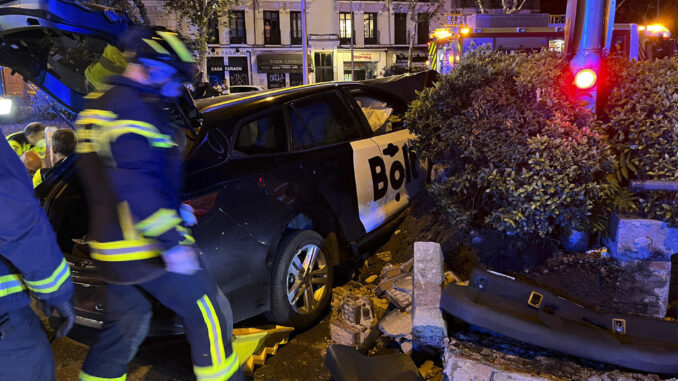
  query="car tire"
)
[{"x": 296, "y": 284}]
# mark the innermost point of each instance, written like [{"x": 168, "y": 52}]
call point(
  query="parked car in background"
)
[
  {"x": 285, "y": 184},
  {"x": 243, "y": 89}
]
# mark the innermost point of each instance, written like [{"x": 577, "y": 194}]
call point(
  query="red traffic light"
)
[{"x": 585, "y": 79}]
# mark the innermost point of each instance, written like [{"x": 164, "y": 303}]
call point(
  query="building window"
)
[
  {"x": 271, "y": 28},
  {"x": 345, "y": 27},
  {"x": 400, "y": 28},
  {"x": 422, "y": 29},
  {"x": 237, "y": 27},
  {"x": 371, "y": 29},
  {"x": 213, "y": 31},
  {"x": 295, "y": 28},
  {"x": 324, "y": 68}
]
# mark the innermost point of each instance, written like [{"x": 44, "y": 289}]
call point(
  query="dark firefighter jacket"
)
[
  {"x": 130, "y": 168},
  {"x": 30, "y": 259}
]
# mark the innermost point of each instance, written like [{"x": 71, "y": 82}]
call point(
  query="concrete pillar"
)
[
  {"x": 285, "y": 31},
  {"x": 429, "y": 327},
  {"x": 359, "y": 38}
]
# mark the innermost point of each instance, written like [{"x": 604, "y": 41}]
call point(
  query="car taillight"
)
[
  {"x": 585, "y": 79},
  {"x": 202, "y": 205}
]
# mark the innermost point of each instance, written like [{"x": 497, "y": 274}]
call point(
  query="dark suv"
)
[{"x": 285, "y": 184}]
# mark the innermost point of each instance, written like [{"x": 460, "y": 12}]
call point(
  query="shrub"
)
[
  {"x": 641, "y": 125},
  {"x": 523, "y": 157}
]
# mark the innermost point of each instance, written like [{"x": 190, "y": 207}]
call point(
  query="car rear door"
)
[
  {"x": 329, "y": 138},
  {"x": 398, "y": 173}
]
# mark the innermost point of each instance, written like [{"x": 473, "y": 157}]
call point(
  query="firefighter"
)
[
  {"x": 30, "y": 260},
  {"x": 30, "y": 139},
  {"x": 130, "y": 168}
]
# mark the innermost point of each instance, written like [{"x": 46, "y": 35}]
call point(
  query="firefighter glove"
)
[
  {"x": 66, "y": 313},
  {"x": 187, "y": 214},
  {"x": 181, "y": 260}
]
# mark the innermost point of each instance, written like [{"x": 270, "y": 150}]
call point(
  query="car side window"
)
[
  {"x": 301, "y": 139},
  {"x": 263, "y": 134},
  {"x": 328, "y": 119},
  {"x": 384, "y": 115}
]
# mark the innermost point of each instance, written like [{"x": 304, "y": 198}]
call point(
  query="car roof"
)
[{"x": 215, "y": 104}]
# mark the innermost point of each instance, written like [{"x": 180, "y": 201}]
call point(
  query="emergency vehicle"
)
[{"x": 534, "y": 32}]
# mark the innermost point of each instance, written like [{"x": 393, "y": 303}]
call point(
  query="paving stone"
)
[
  {"x": 404, "y": 285},
  {"x": 399, "y": 299},
  {"x": 396, "y": 324},
  {"x": 429, "y": 327},
  {"x": 387, "y": 284},
  {"x": 345, "y": 333},
  {"x": 390, "y": 271}
]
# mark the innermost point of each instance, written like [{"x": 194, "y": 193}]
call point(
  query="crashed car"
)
[{"x": 285, "y": 184}]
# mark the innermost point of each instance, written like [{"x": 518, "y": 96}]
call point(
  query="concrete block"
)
[
  {"x": 387, "y": 284},
  {"x": 404, "y": 285},
  {"x": 396, "y": 324},
  {"x": 357, "y": 310},
  {"x": 399, "y": 299},
  {"x": 644, "y": 249},
  {"x": 456, "y": 367},
  {"x": 390, "y": 271},
  {"x": 428, "y": 325},
  {"x": 407, "y": 266},
  {"x": 345, "y": 333}
]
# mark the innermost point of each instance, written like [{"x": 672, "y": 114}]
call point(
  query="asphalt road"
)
[{"x": 169, "y": 358}]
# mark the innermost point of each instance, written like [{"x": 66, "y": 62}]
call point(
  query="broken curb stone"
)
[
  {"x": 399, "y": 299},
  {"x": 396, "y": 324},
  {"x": 428, "y": 325},
  {"x": 404, "y": 285}
]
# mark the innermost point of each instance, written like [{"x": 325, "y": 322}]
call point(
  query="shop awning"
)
[{"x": 282, "y": 63}]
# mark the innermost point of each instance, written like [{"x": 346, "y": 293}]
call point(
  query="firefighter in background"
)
[
  {"x": 32, "y": 138},
  {"x": 30, "y": 260},
  {"x": 131, "y": 171}
]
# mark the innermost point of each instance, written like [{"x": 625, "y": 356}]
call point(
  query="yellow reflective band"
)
[
  {"x": 177, "y": 45},
  {"x": 114, "y": 130},
  {"x": 186, "y": 233},
  {"x": 223, "y": 372},
  {"x": 156, "y": 46},
  {"x": 103, "y": 114},
  {"x": 159, "y": 222},
  {"x": 214, "y": 332},
  {"x": 121, "y": 251},
  {"x": 10, "y": 284},
  {"x": 86, "y": 377},
  {"x": 86, "y": 147},
  {"x": 53, "y": 282},
  {"x": 93, "y": 95}
]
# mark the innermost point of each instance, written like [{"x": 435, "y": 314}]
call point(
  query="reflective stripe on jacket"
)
[{"x": 131, "y": 170}]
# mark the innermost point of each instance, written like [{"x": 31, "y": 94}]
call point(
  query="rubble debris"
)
[
  {"x": 407, "y": 266},
  {"x": 397, "y": 232},
  {"x": 390, "y": 271},
  {"x": 346, "y": 364},
  {"x": 345, "y": 333},
  {"x": 400, "y": 299},
  {"x": 404, "y": 285},
  {"x": 371, "y": 279},
  {"x": 406, "y": 345},
  {"x": 641, "y": 244},
  {"x": 451, "y": 277},
  {"x": 467, "y": 361},
  {"x": 351, "y": 324},
  {"x": 384, "y": 256},
  {"x": 396, "y": 324},
  {"x": 428, "y": 326},
  {"x": 387, "y": 284}
]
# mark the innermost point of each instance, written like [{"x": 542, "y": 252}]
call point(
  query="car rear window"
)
[
  {"x": 328, "y": 119},
  {"x": 262, "y": 134},
  {"x": 301, "y": 139}
]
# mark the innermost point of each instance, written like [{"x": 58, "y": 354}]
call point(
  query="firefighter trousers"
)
[
  {"x": 203, "y": 308},
  {"x": 25, "y": 353}
]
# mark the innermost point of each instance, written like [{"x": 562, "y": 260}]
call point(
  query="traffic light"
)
[
  {"x": 588, "y": 36},
  {"x": 585, "y": 69}
]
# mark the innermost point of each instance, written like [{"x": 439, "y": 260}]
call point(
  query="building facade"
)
[{"x": 261, "y": 41}]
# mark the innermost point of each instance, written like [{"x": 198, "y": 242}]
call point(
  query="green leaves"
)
[{"x": 524, "y": 156}]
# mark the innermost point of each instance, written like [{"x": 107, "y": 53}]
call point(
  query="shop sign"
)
[
  {"x": 215, "y": 70},
  {"x": 281, "y": 63}
]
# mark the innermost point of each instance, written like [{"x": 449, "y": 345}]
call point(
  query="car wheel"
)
[{"x": 302, "y": 280}]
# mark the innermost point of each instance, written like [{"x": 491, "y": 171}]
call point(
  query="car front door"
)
[
  {"x": 329, "y": 139},
  {"x": 397, "y": 174}
]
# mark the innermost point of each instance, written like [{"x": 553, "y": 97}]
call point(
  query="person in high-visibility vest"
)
[
  {"x": 32, "y": 138},
  {"x": 130, "y": 168},
  {"x": 30, "y": 263}
]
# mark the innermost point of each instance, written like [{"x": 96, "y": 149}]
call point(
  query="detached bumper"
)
[{"x": 538, "y": 317}]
